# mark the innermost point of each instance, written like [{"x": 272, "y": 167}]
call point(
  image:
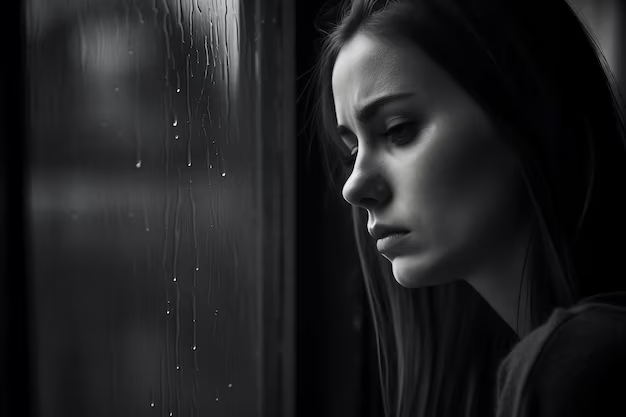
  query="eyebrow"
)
[{"x": 368, "y": 111}]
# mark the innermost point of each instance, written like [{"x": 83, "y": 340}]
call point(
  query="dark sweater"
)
[{"x": 572, "y": 366}]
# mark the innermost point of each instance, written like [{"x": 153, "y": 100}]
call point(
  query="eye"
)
[{"x": 401, "y": 133}]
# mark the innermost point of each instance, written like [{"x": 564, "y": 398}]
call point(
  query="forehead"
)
[{"x": 368, "y": 66}]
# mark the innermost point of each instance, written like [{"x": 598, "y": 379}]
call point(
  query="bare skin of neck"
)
[{"x": 500, "y": 282}]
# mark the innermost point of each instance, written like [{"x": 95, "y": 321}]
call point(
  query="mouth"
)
[{"x": 390, "y": 241}]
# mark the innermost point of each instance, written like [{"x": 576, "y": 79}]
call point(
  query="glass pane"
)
[{"x": 145, "y": 176}]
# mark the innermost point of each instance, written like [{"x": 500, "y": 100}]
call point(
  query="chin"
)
[{"x": 411, "y": 272}]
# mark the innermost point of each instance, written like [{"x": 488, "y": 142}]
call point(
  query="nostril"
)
[{"x": 367, "y": 202}]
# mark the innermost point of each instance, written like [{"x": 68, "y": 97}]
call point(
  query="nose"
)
[{"x": 366, "y": 188}]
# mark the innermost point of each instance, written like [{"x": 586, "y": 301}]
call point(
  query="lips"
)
[
  {"x": 388, "y": 242},
  {"x": 387, "y": 236},
  {"x": 380, "y": 231}
]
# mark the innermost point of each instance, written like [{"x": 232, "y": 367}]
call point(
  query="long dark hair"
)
[{"x": 537, "y": 71}]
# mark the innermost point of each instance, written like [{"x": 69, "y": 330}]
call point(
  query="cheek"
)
[{"x": 467, "y": 185}]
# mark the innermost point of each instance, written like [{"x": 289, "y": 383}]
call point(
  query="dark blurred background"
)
[{"x": 170, "y": 245}]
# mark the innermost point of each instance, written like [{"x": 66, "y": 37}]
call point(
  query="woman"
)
[{"x": 484, "y": 147}]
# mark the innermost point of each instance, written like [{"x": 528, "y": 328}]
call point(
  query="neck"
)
[{"x": 500, "y": 282}]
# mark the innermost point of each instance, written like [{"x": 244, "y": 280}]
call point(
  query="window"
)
[{"x": 161, "y": 204}]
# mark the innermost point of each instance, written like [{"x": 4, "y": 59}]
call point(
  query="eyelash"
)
[{"x": 350, "y": 159}]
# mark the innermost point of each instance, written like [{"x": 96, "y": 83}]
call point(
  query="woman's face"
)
[{"x": 429, "y": 162}]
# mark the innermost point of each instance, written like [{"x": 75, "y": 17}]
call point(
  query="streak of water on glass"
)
[
  {"x": 162, "y": 371},
  {"x": 217, "y": 34},
  {"x": 200, "y": 99},
  {"x": 168, "y": 362},
  {"x": 137, "y": 114},
  {"x": 236, "y": 263},
  {"x": 209, "y": 253},
  {"x": 212, "y": 42},
  {"x": 206, "y": 54},
  {"x": 227, "y": 74},
  {"x": 155, "y": 10},
  {"x": 139, "y": 14},
  {"x": 152, "y": 403},
  {"x": 81, "y": 28},
  {"x": 215, "y": 321},
  {"x": 177, "y": 326},
  {"x": 175, "y": 268},
  {"x": 195, "y": 234},
  {"x": 191, "y": 11},
  {"x": 227, "y": 55},
  {"x": 127, "y": 24},
  {"x": 208, "y": 104},
  {"x": 237, "y": 42},
  {"x": 223, "y": 66},
  {"x": 178, "y": 388},
  {"x": 208, "y": 163},
  {"x": 180, "y": 21},
  {"x": 188, "y": 116},
  {"x": 166, "y": 15},
  {"x": 194, "y": 398},
  {"x": 194, "y": 295},
  {"x": 146, "y": 220}
]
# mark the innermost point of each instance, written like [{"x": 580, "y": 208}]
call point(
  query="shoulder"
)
[{"x": 574, "y": 365}]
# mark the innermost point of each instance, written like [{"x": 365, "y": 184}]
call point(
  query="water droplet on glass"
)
[
  {"x": 194, "y": 347},
  {"x": 167, "y": 312},
  {"x": 178, "y": 90},
  {"x": 230, "y": 385},
  {"x": 189, "y": 164},
  {"x": 223, "y": 174},
  {"x": 197, "y": 268},
  {"x": 177, "y": 368},
  {"x": 217, "y": 312},
  {"x": 217, "y": 399},
  {"x": 170, "y": 414},
  {"x": 138, "y": 164},
  {"x": 152, "y": 404},
  {"x": 175, "y": 123},
  {"x": 210, "y": 165},
  {"x": 117, "y": 89},
  {"x": 174, "y": 279},
  {"x": 147, "y": 229},
  {"x": 193, "y": 321},
  {"x": 176, "y": 137}
]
